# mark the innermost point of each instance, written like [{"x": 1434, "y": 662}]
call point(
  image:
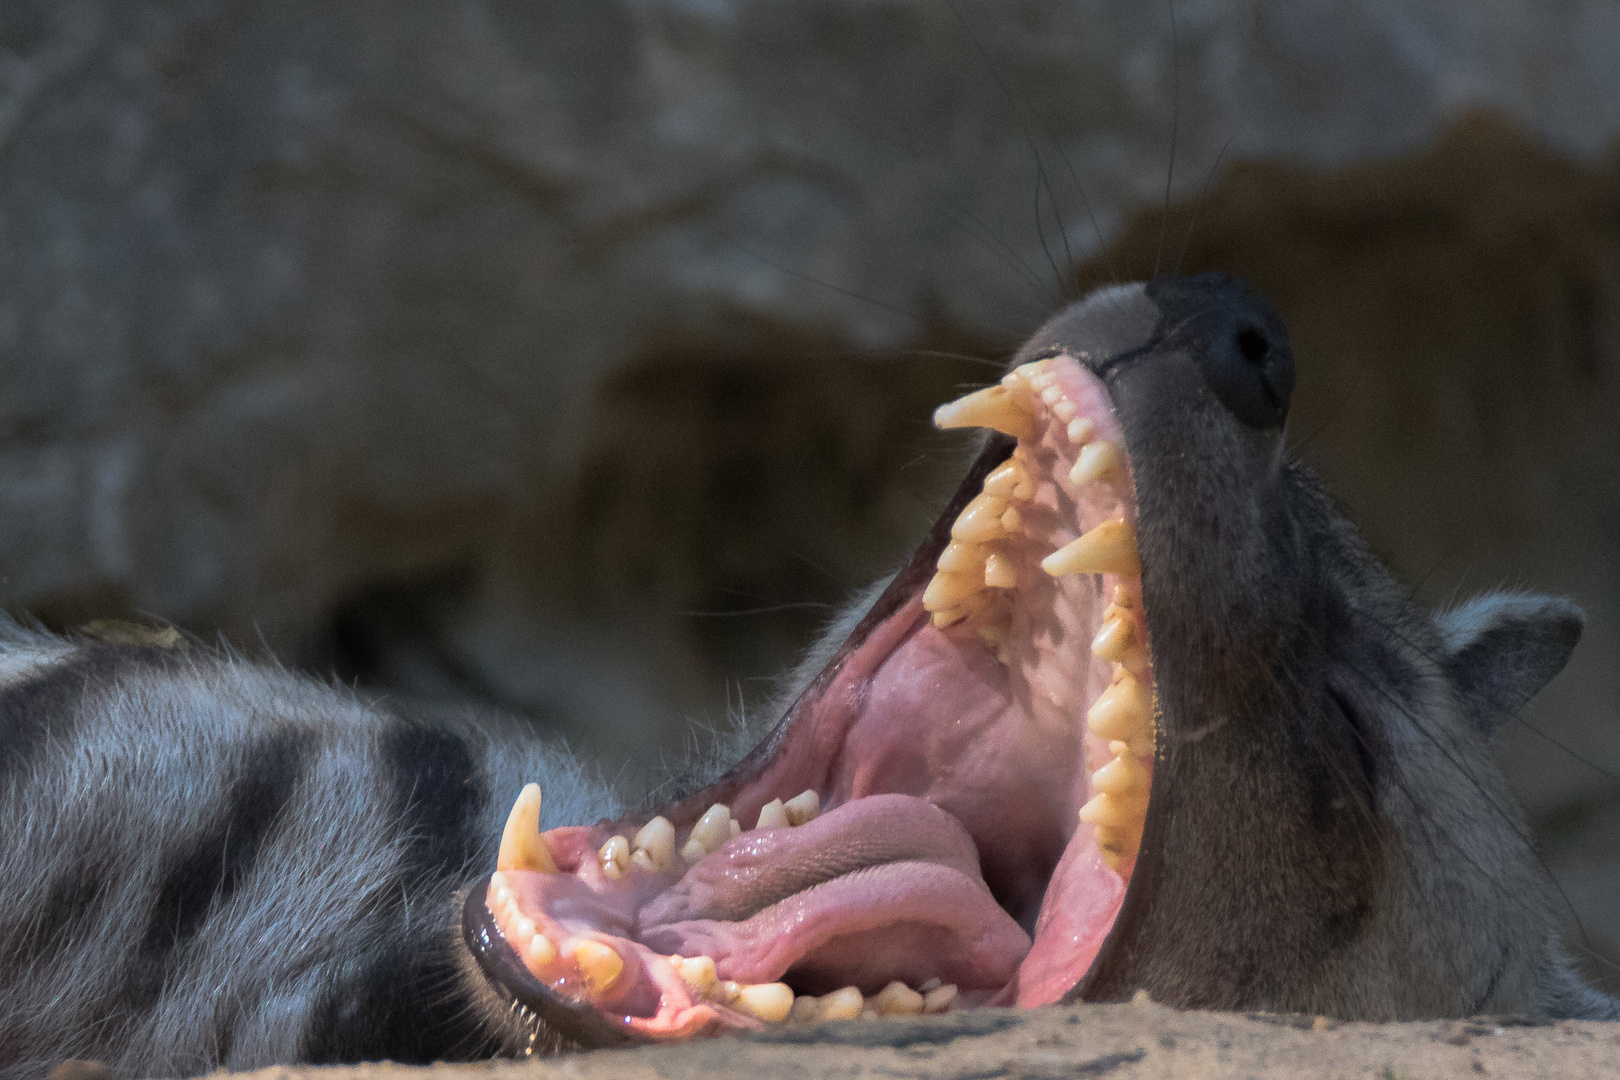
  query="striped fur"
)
[{"x": 208, "y": 863}]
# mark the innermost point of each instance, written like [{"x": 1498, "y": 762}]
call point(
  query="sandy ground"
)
[{"x": 1121, "y": 1042}]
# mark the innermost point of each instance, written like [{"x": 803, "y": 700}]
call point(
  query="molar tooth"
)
[
  {"x": 940, "y": 999},
  {"x": 980, "y": 520},
  {"x": 960, "y": 558},
  {"x": 971, "y": 605},
  {"x": 522, "y": 846},
  {"x": 1052, "y": 394},
  {"x": 657, "y": 839},
  {"x": 599, "y": 964},
  {"x": 614, "y": 857},
  {"x": 697, "y": 972},
  {"x": 845, "y": 1004},
  {"x": 948, "y": 590},
  {"x": 1081, "y": 429},
  {"x": 994, "y": 407},
  {"x": 1033, "y": 370},
  {"x": 1012, "y": 520},
  {"x": 772, "y": 816},
  {"x": 727, "y": 991},
  {"x": 736, "y": 828},
  {"x": 1111, "y": 810},
  {"x": 770, "y": 1002},
  {"x": 1005, "y": 477},
  {"x": 714, "y": 828},
  {"x": 1064, "y": 410},
  {"x": 1096, "y": 461},
  {"x": 803, "y": 807},
  {"x": 897, "y": 999},
  {"x": 804, "y": 1009},
  {"x": 1110, "y": 548},
  {"x": 1115, "y": 640},
  {"x": 1124, "y": 776},
  {"x": 999, "y": 572},
  {"x": 693, "y": 852},
  {"x": 1122, "y": 710},
  {"x": 641, "y": 859}
]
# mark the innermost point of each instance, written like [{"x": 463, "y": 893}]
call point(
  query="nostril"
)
[{"x": 1252, "y": 344}]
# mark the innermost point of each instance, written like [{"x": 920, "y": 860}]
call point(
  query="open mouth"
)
[{"x": 947, "y": 818}]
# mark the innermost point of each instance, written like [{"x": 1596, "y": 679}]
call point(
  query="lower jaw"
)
[{"x": 561, "y": 924}]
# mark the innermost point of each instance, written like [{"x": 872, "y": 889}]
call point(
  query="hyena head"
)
[{"x": 1142, "y": 713}]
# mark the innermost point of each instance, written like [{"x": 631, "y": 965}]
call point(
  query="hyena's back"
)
[{"x": 236, "y": 866}]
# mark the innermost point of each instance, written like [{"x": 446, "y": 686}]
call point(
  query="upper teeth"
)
[{"x": 522, "y": 846}]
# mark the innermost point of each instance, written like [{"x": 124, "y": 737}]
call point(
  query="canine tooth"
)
[
  {"x": 1081, "y": 429},
  {"x": 999, "y": 572},
  {"x": 713, "y": 828},
  {"x": 960, "y": 558},
  {"x": 1064, "y": 410},
  {"x": 1052, "y": 395},
  {"x": 772, "y": 816},
  {"x": 1110, "y": 548},
  {"x": 1124, "y": 776},
  {"x": 1096, "y": 461},
  {"x": 599, "y": 965},
  {"x": 845, "y": 1004},
  {"x": 980, "y": 520},
  {"x": 697, "y": 972},
  {"x": 522, "y": 846},
  {"x": 542, "y": 950},
  {"x": 803, "y": 807},
  {"x": 948, "y": 590},
  {"x": 897, "y": 999},
  {"x": 1113, "y": 811},
  {"x": 1121, "y": 711},
  {"x": 940, "y": 999},
  {"x": 994, "y": 407},
  {"x": 614, "y": 856},
  {"x": 770, "y": 1002},
  {"x": 657, "y": 839},
  {"x": 1004, "y": 478},
  {"x": 1012, "y": 520}
]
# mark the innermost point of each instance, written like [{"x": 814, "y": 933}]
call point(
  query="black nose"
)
[{"x": 1238, "y": 340}]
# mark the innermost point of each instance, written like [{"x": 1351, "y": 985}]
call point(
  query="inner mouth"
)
[{"x": 947, "y": 818}]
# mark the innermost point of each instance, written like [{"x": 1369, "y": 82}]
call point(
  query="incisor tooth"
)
[
  {"x": 1096, "y": 461},
  {"x": 803, "y": 807},
  {"x": 980, "y": 520},
  {"x": 999, "y": 572},
  {"x": 697, "y": 972},
  {"x": 657, "y": 839},
  {"x": 940, "y": 999},
  {"x": 842, "y": 1004},
  {"x": 1110, "y": 548},
  {"x": 599, "y": 965},
  {"x": 960, "y": 558},
  {"x": 713, "y": 828},
  {"x": 770, "y": 1002},
  {"x": 772, "y": 816},
  {"x": 948, "y": 590},
  {"x": 614, "y": 857},
  {"x": 1121, "y": 711},
  {"x": 522, "y": 846},
  {"x": 1005, "y": 477},
  {"x": 994, "y": 407},
  {"x": 897, "y": 999},
  {"x": 542, "y": 950}
]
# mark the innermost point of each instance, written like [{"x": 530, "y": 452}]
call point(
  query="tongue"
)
[{"x": 881, "y": 888}]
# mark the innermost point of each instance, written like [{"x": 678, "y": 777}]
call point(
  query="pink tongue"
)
[{"x": 906, "y": 903}]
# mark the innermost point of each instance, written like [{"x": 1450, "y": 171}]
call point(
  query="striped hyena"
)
[{"x": 1141, "y": 713}]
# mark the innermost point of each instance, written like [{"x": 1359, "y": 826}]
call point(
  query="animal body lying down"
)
[{"x": 1142, "y": 713}]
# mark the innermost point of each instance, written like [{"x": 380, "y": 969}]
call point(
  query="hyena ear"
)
[{"x": 1504, "y": 647}]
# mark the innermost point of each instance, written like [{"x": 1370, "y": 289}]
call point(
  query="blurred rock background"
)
[{"x": 576, "y": 359}]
